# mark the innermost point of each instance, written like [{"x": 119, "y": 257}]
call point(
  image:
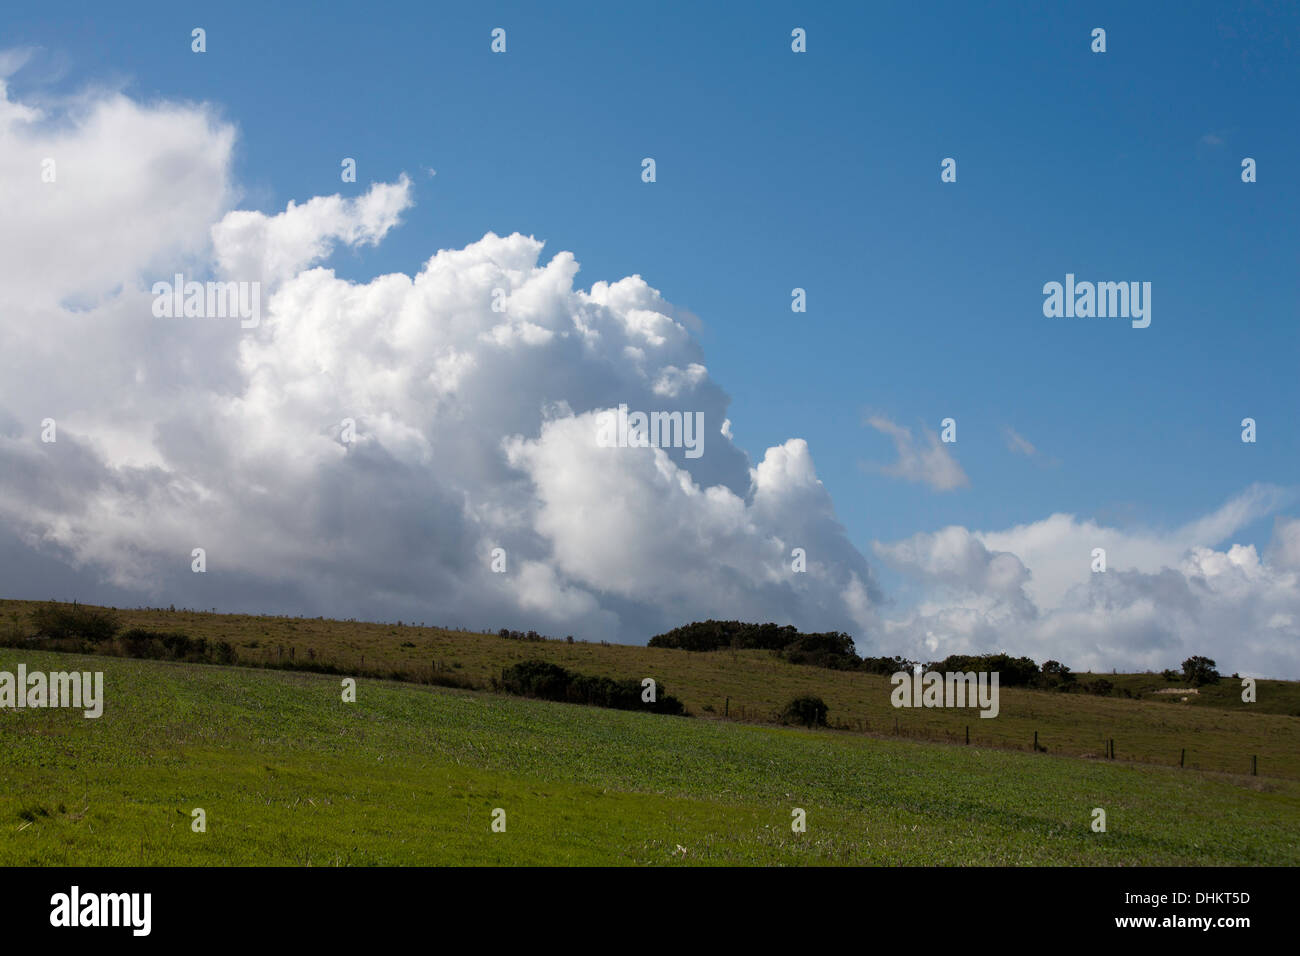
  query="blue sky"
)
[{"x": 821, "y": 171}]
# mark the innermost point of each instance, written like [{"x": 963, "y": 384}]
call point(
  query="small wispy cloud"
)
[
  {"x": 14, "y": 59},
  {"x": 1018, "y": 443},
  {"x": 926, "y": 460}
]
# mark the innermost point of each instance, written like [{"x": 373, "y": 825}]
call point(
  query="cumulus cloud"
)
[
  {"x": 472, "y": 388},
  {"x": 1164, "y": 596},
  {"x": 1285, "y": 549},
  {"x": 252, "y": 246},
  {"x": 928, "y": 461}
]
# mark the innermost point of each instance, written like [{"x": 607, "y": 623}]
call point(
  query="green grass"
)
[
  {"x": 1218, "y": 731},
  {"x": 288, "y": 774}
]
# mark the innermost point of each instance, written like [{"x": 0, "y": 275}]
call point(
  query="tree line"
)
[{"x": 835, "y": 650}]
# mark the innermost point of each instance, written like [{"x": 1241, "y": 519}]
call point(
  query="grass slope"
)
[
  {"x": 1218, "y": 731},
  {"x": 288, "y": 774}
]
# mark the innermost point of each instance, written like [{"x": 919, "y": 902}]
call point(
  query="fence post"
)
[
  {"x": 726, "y": 708},
  {"x": 968, "y": 735},
  {"x": 1035, "y": 741},
  {"x": 1253, "y": 765}
]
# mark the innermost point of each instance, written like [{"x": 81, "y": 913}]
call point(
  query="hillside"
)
[
  {"x": 1217, "y": 731},
  {"x": 288, "y": 774}
]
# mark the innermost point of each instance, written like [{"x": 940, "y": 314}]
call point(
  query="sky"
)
[{"x": 774, "y": 170}]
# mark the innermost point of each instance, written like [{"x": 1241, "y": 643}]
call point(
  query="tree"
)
[
  {"x": 1199, "y": 670},
  {"x": 1056, "y": 674}
]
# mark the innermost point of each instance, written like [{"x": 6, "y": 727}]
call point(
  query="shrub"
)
[
  {"x": 886, "y": 665},
  {"x": 72, "y": 621},
  {"x": 808, "y": 711},
  {"x": 520, "y": 635},
  {"x": 536, "y": 678},
  {"x": 174, "y": 646}
]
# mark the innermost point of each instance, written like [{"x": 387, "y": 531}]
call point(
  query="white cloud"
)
[
  {"x": 474, "y": 427},
  {"x": 931, "y": 462},
  {"x": 1285, "y": 549},
  {"x": 252, "y": 246},
  {"x": 1163, "y": 597}
]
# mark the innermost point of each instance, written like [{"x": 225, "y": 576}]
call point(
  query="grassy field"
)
[
  {"x": 289, "y": 774},
  {"x": 1216, "y": 729}
]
